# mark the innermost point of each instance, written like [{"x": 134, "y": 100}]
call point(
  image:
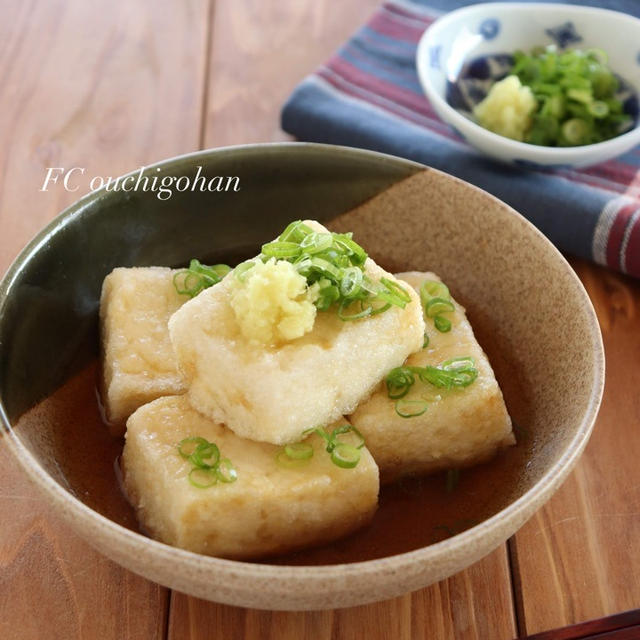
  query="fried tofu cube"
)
[
  {"x": 267, "y": 510},
  {"x": 138, "y": 364},
  {"x": 273, "y": 393},
  {"x": 461, "y": 427}
]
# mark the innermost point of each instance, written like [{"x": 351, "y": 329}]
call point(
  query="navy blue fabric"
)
[{"x": 566, "y": 206}]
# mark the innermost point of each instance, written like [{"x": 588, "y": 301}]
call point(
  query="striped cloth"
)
[{"x": 368, "y": 95}]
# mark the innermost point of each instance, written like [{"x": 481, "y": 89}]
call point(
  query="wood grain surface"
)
[
  {"x": 472, "y": 605},
  {"x": 112, "y": 86},
  {"x": 579, "y": 557},
  {"x": 109, "y": 86}
]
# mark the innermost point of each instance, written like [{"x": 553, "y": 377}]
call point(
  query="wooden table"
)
[{"x": 112, "y": 85}]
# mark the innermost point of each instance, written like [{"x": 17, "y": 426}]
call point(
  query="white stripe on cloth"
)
[
  {"x": 625, "y": 240},
  {"x": 415, "y": 8},
  {"x": 603, "y": 227}
]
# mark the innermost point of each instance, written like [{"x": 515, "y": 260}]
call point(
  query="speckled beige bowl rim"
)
[{"x": 94, "y": 527}]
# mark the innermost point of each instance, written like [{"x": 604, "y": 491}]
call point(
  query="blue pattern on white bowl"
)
[
  {"x": 489, "y": 28},
  {"x": 564, "y": 34},
  {"x": 462, "y": 54}
]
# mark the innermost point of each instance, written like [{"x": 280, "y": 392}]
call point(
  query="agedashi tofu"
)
[
  {"x": 138, "y": 364},
  {"x": 459, "y": 426},
  {"x": 313, "y": 367},
  {"x": 268, "y": 509}
]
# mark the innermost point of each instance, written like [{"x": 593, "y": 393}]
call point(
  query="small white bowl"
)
[{"x": 453, "y": 42}]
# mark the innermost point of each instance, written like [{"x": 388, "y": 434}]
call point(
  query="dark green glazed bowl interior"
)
[{"x": 49, "y": 298}]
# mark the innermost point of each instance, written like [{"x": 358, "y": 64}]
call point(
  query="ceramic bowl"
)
[
  {"x": 461, "y": 54},
  {"x": 528, "y": 308}
]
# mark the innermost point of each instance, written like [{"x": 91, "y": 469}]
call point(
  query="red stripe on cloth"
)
[
  {"x": 384, "y": 24},
  {"x": 616, "y": 235},
  {"x": 362, "y": 62},
  {"x": 404, "y": 97},
  {"x": 391, "y": 107},
  {"x": 392, "y": 8},
  {"x": 633, "y": 250},
  {"x": 616, "y": 172}
]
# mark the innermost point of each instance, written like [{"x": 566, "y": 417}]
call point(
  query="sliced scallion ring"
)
[
  {"x": 316, "y": 242},
  {"x": 279, "y": 249},
  {"x": 345, "y": 456},
  {"x": 396, "y": 289},
  {"x": 205, "y": 456},
  {"x": 442, "y": 324},
  {"x": 411, "y": 408},
  {"x": 399, "y": 381},
  {"x": 433, "y": 289},
  {"x": 299, "y": 450},
  {"x": 188, "y": 445},
  {"x": 344, "y": 429},
  {"x": 351, "y": 282},
  {"x": 197, "y": 277},
  {"x": 436, "y": 306},
  {"x": 284, "y": 461},
  {"x": 296, "y": 231},
  {"x": 242, "y": 270},
  {"x": 203, "y": 478},
  {"x": 225, "y": 471},
  {"x": 345, "y": 304},
  {"x": 461, "y": 363}
]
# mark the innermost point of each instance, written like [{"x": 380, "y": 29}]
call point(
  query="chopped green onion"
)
[
  {"x": 208, "y": 467},
  {"x": 346, "y": 428},
  {"x": 576, "y": 96},
  {"x": 456, "y": 372},
  {"x": 363, "y": 313},
  {"x": 375, "y": 310},
  {"x": 206, "y": 456},
  {"x": 226, "y": 471},
  {"x": 433, "y": 289},
  {"x": 351, "y": 282},
  {"x": 197, "y": 277},
  {"x": 299, "y": 451},
  {"x": 278, "y": 249},
  {"x": 425, "y": 342},
  {"x": 436, "y": 306},
  {"x": 442, "y": 324},
  {"x": 356, "y": 253},
  {"x": 345, "y": 456},
  {"x": 411, "y": 408},
  {"x": 598, "y": 109},
  {"x": 316, "y": 265},
  {"x": 461, "y": 363},
  {"x": 575, "y": 131},
  {"x": 187, "y": 446},
  {"x": 241, "y": 271},
  {"x": 396, "y": 289},
  {"x": 333, "y": 266},
  {"x": 327, "y": 294},
  {"x": 448, "y": 379},
  {"x": 316, "y": 242},
  {"x": 399, "y": 381},
  {"x": 203, "y": 478},
  {"x": 296, "y": 231},
  {"x": 284, "y": 461}
]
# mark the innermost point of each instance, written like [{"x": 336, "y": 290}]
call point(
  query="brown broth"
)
[{"x": 413, "y": 513}]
